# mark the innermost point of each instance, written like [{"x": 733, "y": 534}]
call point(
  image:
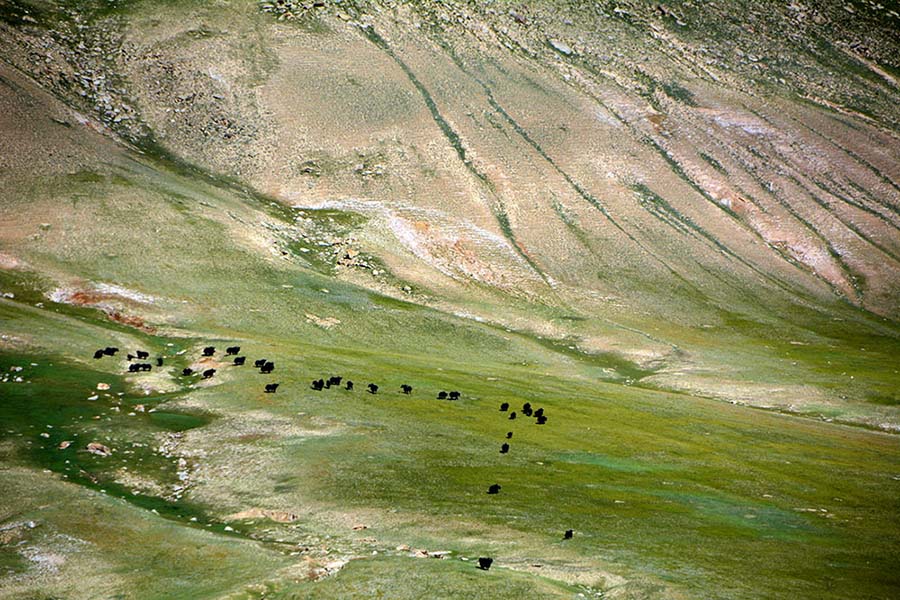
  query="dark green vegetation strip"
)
[{"x": 59, "y": 402}]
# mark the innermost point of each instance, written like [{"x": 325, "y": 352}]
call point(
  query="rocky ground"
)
[{"x": 673, "y": 224}]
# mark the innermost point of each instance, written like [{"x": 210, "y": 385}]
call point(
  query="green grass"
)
[
  {"x": 670, "y": 494},
  {"x": 644, "y": 477}
]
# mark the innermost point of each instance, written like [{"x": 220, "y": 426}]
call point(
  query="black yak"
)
[
  {"x": 159, "y": 361},
  {"x": 568, "y": 535},
  {"x": 99, "y": 354},
  {"x": 504, "y": 448},
  {"x": 271, "y": 387},
  {"x": 508, "y": 434},
  {"x": 209, "y": 351},
  {"x": 453, "y": 395},
  {"x": 538, "y": 413},
  {"x": 512, "y": 415},
  {"x": 110, "y": 350},
  {"x": 187, "y": 371},
  {"x": 485, "y": 563},
  {"x": 526, "y": 409},
  {"x": 504, "y": 407},
  {"x": 494, "y": 489},
  {"x": 259, "y": 362},
  {"x": 141, "y": 354},
  {"x": 373, "y": 389},
  {"x": 442, "y": 395},
  {"x": 268, "y": 367},
  {"x": 239, "y": 360},
  {"x": 349, "y": 385},
  {"x": 208, "y": 373},
  {"x": 541, "y": 419},
  {"x": 232, "y": 350},
  {"x": 406, "y": 389}
]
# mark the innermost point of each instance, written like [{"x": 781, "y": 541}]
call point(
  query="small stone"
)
[
  {"x": 561, "y": 47},
  {"x": 102, "y": 386},
  {"x": 99, "y": 449}
]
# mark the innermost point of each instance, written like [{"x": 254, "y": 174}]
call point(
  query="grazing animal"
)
[
  {"x": 187, "y": 371},
  {"x": 159, "y": 361},
  {"x": 239, "y": 360},
  {"x": 509, "y": 435},
  {"x": 568, "y": 535},
  {"x": 142, "y": 354},
  {"x": 442, "y": 395},
  {"x": 512, "y": 415},
  {"x": 373, "y": 389},
  {"x": 318, "y": 384},
  {"x": 538, "y": 413},
  {"x": 99, "y": 354},
  {"x": 454, "y": 395},
  {"x": 494, "y": 489},
  {"x": 134, "y": 367},
  {"x": 504, "y": 407},
  {"x": 349, "y": 385},
  {"x": 335, "y": 380},
  {"x": 406, "y": 389},
  {"x": 146, "y": 366},
  {"x": 526, "y": 409},
  {"x": 485, "y": 563},
  {"x": 209, "y": 351},
  {"x": 110, "y": 350},
  {"x": 232, "y": 350},
  {"x": 208, "y": 373},
  {"x": 541, "y": 420},
  {"x": 268, "y": 367},
  {"x": 271, "y": 387},
  {"x": 504, "y": 448},
  {"x": 130, "y": 357},
  {"x": 259, "y": 362}
]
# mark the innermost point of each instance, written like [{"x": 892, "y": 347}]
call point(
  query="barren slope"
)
[{"x": 643, "y": 217}]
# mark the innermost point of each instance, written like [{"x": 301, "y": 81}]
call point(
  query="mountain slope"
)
[{"x": 621, "y": 213}]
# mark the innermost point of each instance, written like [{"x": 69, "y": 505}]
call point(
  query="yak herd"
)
[{"x": 266, "y": 367}]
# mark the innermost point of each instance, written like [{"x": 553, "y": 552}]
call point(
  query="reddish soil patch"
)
[
  {"x": 130, "y": 320},
  {"x": 84, "y": 298},
  {"x": 102, "y": 301}
]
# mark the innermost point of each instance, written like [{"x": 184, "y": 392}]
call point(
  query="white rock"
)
[{"x": 561, "y": 47}]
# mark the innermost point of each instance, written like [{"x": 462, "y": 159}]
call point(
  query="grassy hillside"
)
[{"x": 689, "y": 264}]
